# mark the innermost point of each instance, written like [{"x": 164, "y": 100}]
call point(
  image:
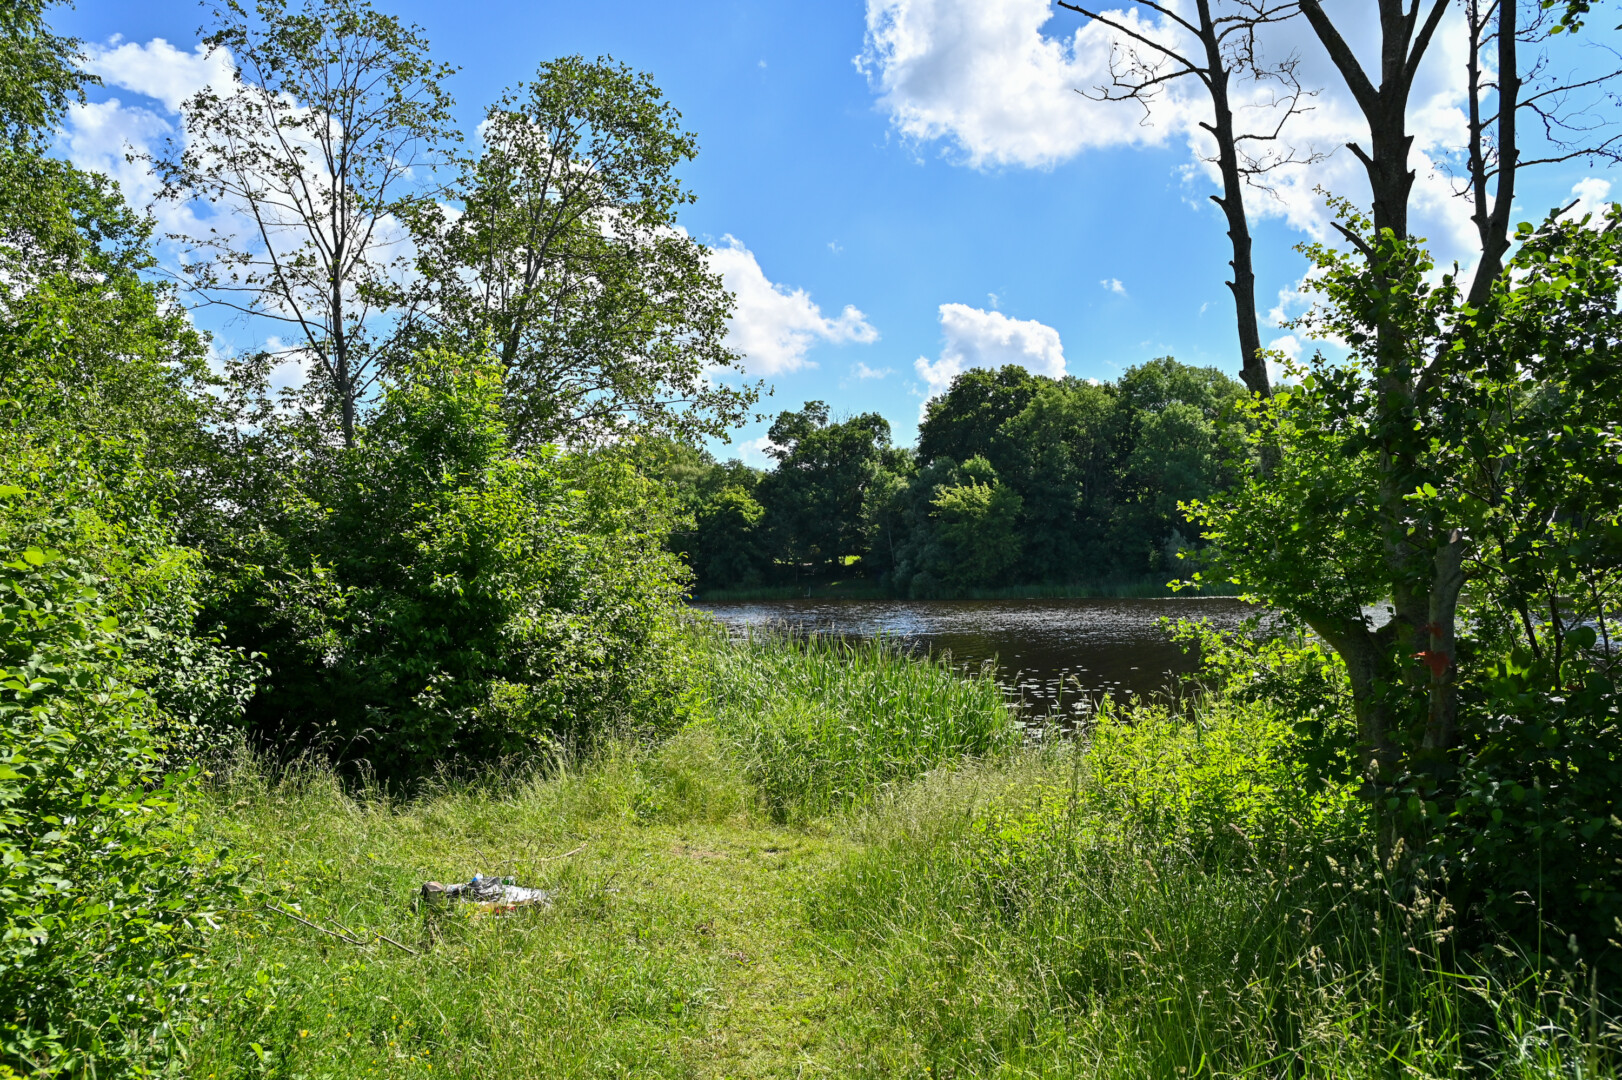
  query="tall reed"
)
[{"x": 822, "y": 723}]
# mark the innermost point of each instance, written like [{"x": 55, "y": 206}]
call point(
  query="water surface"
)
[{"x": 1055, "y": 655}]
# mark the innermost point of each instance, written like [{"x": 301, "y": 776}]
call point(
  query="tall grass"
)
[
  {"x": 1176, "y": 901},
  {"x": 849, "y": 865},
  {"x": 821, "y": 723}
]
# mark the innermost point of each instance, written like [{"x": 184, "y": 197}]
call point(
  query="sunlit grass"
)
[
  {"x": 1162, "y": 901},
  {"x": 822, "y": 723}
]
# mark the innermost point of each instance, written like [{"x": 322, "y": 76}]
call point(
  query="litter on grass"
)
[{"x": 489, "y": 894}]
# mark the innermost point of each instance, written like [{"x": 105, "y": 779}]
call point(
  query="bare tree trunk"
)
[
  {"x": 1493, "y": 225},
  {"x": 1253, "y": 369}
]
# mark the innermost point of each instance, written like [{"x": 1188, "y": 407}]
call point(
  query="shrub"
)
[
  {"x": 430, "y": 597},
  {"x": 100, "y": 886}
]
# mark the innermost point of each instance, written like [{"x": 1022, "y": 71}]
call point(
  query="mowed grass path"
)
[{"x": 680, "y": 950}]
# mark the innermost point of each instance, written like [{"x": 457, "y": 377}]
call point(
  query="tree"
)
[
  {"x": 1487, "y": 733},
  {"x": 38, "y": 75},
  {"x": 566, "y": 256},
  {"x": 977, "y": 525},
  {"x": 429, "y": 596},
  {"x": 312, "y": 158},
  {"x": 1408, "y": 357},
  {"x": 816, "y": 497},
  {"x": 1061, "y": 453},
  {"x": 963, "y": 421},
  {"x": 1213, "y": 46}
]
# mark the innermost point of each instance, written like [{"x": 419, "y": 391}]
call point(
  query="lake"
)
[{"x": 1054, "y": 655}]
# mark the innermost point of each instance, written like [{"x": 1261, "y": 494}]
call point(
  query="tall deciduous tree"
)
[
  {"x": 816, "y": 497},
  {"x": 566, "y": 258},
  {"x": 38, "y": 76},
  {"x": 1407, "y": 362},
  {"x": 312, "y": 158}
]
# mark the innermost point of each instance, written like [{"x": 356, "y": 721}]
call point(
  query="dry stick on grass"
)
[{"x": 336, "y": 934}]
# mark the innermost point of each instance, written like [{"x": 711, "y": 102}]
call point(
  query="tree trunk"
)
[
  {"x": 1253, "y": 369},
  {"x": 1425, "y": 569}
]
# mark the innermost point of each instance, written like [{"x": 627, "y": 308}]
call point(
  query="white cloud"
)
[
  {"x": 862, "y": 371},
  {"x": 774, "y": 326},
  {"x": 1593, "y": 197},
  {"x": 756, "y": 451},
  {"x": 159, "y": 70},
  {"x": 974, "y": 338},
  {"x": 1113, "y": 285},
  {"x": 997, "y": 83},
  {"x": 984, "y": 76},
  {"x": 1289, "y": 345},
  {"x": 102, "y": 136}
]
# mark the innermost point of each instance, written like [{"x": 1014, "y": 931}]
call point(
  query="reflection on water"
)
[{"x": 1055, "y": 655}]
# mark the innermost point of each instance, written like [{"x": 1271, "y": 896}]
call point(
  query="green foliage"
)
[
  {"x": 429, "y": 597},
  {"x": 1018, "y": 480},
  {"x": 1530, "y": 831},
  {"x": 816, "y": 497},
  {"x": 101, "y": 886},
  {"x": 1176, "y": 898},
  {"x": 87, "y": 342},
  {"x": 38, "y": 76},
  {"x": 978, "y": 525},
  {"x": 1470, "y": 480},
  {"x": 824, "y": 724},
  {"x": 964, "y": 421},
  {"x": 317, "y": 148},
  {"x": 566, "y": 260}
]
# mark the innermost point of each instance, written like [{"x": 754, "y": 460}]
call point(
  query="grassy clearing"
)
[
  {"x": 850, "y": 869},
  {"x": 676, "y": 944}
]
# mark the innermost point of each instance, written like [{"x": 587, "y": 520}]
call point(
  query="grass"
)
[
  {"x": 849, "y": 867},
  {"x": 820, "y": 724}
]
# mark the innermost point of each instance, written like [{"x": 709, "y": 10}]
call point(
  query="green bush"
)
[
  {"x": 1175, "y": 897},
  {"x": 430, "y": 597},
  {"x": 100, "y": 886},
  {"x": 1528, "y": 832}
]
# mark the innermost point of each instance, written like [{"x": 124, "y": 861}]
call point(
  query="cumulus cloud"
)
[
  {"x": 757, "y": 452},
  {"x": 1113, "y": 285},
  {"x": 986, "y": 77},
  {"x": 103, "y": 135},
  {"x": 774, "y": 326},
  {"x": 159, "y": 70},
  {"x": 862, "y": 371},
  {"x": 998, "y": 82},
  {"x": 1593, "y": 195},
  {"x": 971, "y": 338}
]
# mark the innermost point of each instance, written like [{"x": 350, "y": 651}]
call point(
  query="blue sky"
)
[{"x": 896, "y": 188}]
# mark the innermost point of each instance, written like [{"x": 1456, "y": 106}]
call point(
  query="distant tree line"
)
[{"x": 1016, "y": 479}]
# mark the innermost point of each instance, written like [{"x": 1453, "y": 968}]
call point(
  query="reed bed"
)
[{"x": 822, "y": 724}]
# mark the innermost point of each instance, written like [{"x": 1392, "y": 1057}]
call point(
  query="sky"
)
[{"x": 898, "y": 190}]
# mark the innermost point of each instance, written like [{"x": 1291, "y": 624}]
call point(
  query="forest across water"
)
[{"x": 1017, "y": 480}]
